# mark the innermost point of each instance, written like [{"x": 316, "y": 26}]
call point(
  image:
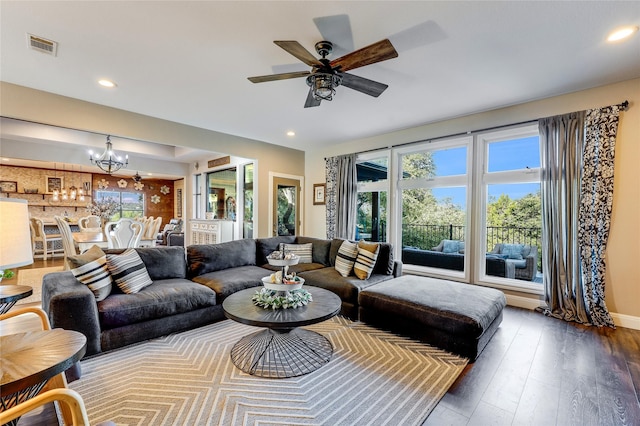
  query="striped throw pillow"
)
[
  {"x": 303, "y": 251},
  {"x": 366, "y": 260},
  {"x": 346, "y": 257},
  {"x": 128, "y": 271},
  {"x": 91, "y": 270}
]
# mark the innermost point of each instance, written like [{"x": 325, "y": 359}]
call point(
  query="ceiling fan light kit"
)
[{"x": 326, "y": 75}]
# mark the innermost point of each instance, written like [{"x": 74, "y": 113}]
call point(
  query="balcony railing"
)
[{"x": 427, "y": 236}]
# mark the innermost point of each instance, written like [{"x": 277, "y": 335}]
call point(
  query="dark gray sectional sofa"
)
[{"x": 187, "y": 292}]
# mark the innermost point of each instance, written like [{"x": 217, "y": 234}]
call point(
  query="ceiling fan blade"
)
[
  {"x": 377, "y": 52},
  {"x": 296, "y": 49},
  {"x": 336, "y": 28},
  {"x": 364, "y": 85},
  {"x": 311, "y": 101},
  {"x": 283, "y": 76}
]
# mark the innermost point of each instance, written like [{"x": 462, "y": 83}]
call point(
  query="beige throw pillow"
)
[
  {"x": 90, "y": 268},
  {"x": 366, "y": 260}
]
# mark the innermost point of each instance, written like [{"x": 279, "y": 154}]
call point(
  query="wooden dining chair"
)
[
  {"x": 68, "y": 244},
  {"x": 123, "y": 233},
  {"x": 48, "y": 241}
]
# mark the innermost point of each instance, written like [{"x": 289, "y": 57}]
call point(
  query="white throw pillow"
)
[
  {"x": 303, "y": 251},
  {"x": 128, "y": 271},
  {"x": 346, "y": 258}
]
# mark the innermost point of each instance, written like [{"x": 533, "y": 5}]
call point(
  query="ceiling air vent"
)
[{"x": 42, "y": 45}]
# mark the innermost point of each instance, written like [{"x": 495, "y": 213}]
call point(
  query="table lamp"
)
[{"x": 15, "y": 234}]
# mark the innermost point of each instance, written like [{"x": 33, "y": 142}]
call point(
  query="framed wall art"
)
[
  {"x": 53, "y": 184},
  {"x": 319, "y": 190},
  {"x": 8, "y": 186}
]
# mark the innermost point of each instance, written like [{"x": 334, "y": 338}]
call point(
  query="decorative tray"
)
[{"x": 266, "y": 281}]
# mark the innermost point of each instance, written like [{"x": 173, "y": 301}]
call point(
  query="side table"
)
[{"x": 10, "y": 294}]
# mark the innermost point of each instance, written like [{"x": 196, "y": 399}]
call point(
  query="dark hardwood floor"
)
[
  {"x": 543, "y": 371},
  {"x": 535, "y": 371}
]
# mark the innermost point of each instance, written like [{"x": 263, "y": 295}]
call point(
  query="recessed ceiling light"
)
[
  {"x": 622, "y": 33},
  {"x": 106, "y": 83},
  {"x": 291, "y": 133}
]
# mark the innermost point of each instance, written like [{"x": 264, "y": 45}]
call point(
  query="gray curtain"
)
[
  {"x": 577, "y": 153},
  {"x": 561, "y": 141},
  {"x": 341, "y": 196}
]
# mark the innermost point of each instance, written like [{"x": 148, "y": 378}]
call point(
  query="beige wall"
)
[
  {"x": 623, "y": 251},
  {"x": 42, "y": 107}
]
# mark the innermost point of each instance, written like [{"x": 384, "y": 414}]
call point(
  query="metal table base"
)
[{"x": 281, "y": 353}]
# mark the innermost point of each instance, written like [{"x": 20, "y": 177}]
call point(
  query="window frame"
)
[
  {"x": 401, "y": 184},
  {"x": 381, "y": 185},
  {"x": 484, "y": 178}
]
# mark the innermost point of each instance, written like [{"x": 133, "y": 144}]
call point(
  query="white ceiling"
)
[{"x": 189, "y": 61}]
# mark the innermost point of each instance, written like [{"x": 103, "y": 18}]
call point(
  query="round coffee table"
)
[
  {"x": 10, "y": 294},
  {"x": 282, "y": 349}
]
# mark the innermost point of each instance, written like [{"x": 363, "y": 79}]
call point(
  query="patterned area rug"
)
[
  {"x": 188, "y": 378},
  {"x": 33, "y": 278}
]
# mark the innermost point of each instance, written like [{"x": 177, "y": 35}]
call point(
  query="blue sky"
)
[{"x": 508, "y": 155}]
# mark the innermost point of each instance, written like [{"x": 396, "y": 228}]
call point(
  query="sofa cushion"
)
[
  {"x": 128, "y": 271},
  {"x": 451, "y": 246},
  {"x": 320, "y": 249},
  {"x": 205, "y": 258},
  {"x": 456, "y": 308},
  {"x": 159, "y": 300},
  {"x": 164, "y": 262},
  {"x": 303, "y": 251},
  {"x": 228, "y": 281},
  {"x": 90, "y": 268},
  {"x": 300, "y": 267},
  {"x": 514, "y": 251},
  {"x": 266, "y": 246},
  {"x": 366, "y": 260},
  {"x": 347, "y": 288},
  {"x": 346, "y": 258}
]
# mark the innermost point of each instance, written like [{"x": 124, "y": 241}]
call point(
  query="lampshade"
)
[{"x": 15, "y": 234}]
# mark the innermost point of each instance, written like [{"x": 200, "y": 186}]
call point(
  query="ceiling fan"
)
[{"x": 326, "y": 75}]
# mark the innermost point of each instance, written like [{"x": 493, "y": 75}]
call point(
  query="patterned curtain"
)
[
  {"x": 577, "y": 156},
  {"x": 341, "y": 196},
  {"x": 595, "y": 207}
]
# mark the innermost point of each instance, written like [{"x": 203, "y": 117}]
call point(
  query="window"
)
[
  {"x": 247, "y": 215},
  {"x": 221, "y": 194},
  {"x": 372, "y": 205},
  {"x": 434, "y": 182},
  {"x": 131, "y": 204},
  {"x": 510, "y": 206},
  {"x": 197, "y": 196},
  {"x": 481, "y": 193}
]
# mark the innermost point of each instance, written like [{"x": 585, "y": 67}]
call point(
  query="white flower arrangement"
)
[
  {"x": 104, "y": 209},
  {"x": 271, "y": 299}
]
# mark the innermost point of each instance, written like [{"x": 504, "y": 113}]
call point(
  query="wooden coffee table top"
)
[
  {"x": 34, "y": 357},
  {"x": 240, "y": 308}
]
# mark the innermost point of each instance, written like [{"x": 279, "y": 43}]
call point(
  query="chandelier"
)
[
  {"x": 323, "y": 85},
  {"x": 109, "y": 162}
]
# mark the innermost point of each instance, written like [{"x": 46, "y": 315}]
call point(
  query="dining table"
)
[{"x": 86, "y": 240}]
